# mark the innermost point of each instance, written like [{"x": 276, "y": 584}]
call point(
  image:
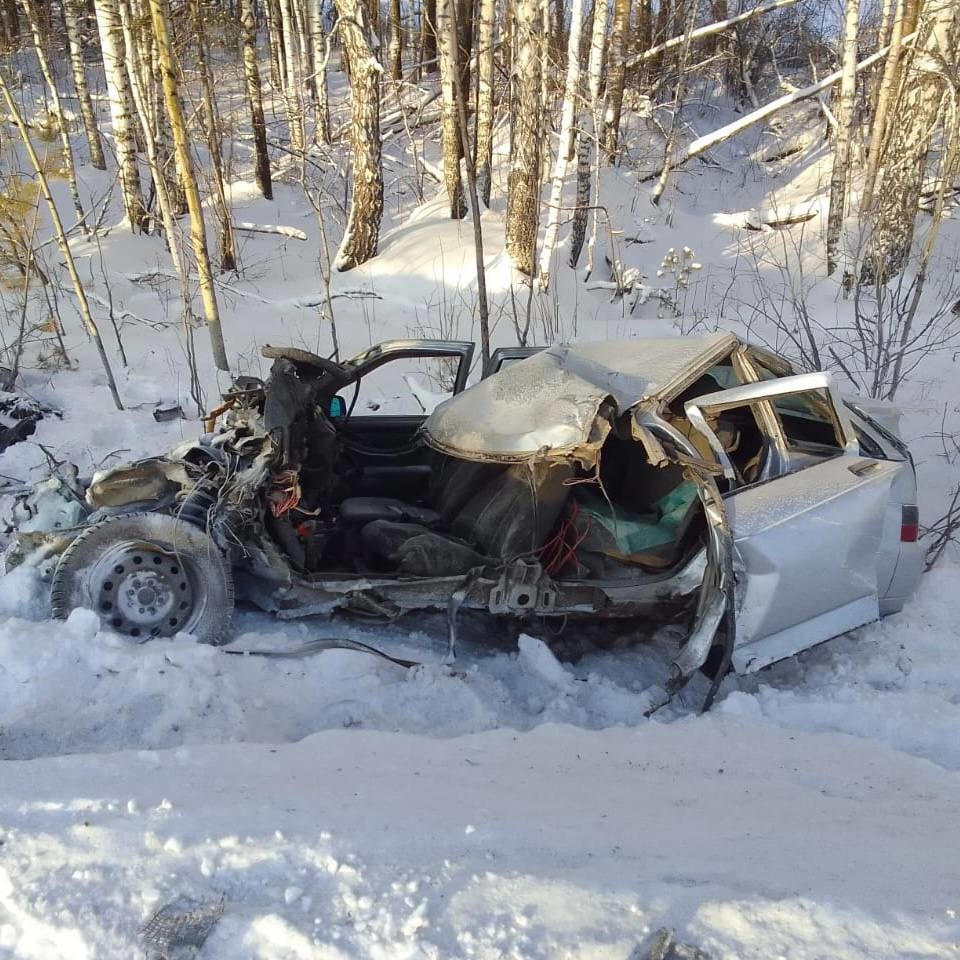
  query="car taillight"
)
[{"x": 909, "y": 524}]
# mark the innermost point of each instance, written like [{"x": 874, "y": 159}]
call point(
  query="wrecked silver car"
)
[{"x": 695, "y": 480}]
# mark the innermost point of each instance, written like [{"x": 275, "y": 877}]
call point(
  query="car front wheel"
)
[{"x": 147, "y": 575}]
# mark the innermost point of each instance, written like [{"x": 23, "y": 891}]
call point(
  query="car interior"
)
[
  {"x": 364, "y": 495},
  {"x": 392, "y": 506}
]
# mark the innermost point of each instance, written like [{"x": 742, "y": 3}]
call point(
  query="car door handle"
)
[{"x": 859, "y": 469}]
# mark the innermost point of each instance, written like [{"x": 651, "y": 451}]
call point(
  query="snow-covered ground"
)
[
  {"x": 513, "y": 806},
  {"x": 751, "y": 840}
]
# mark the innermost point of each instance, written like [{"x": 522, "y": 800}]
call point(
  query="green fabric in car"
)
[{"x": 635, "y": 533}]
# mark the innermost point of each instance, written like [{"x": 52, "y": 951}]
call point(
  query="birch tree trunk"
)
[
  {"x": 30, "y": 9},
  {"x": 549, "y": 84},
  {"x": 362, "y": 233},
  {"x": 589, "y": 126},
  {"x": 160, "y": 17},
  {"x": 138, "y": 90},
  {"x": 211, "y": 123},
  {"x": 9, "y": 22},
  {"x": 616, "y": 76},
  {"x": 889, "y": 84},
  {"x": 661, "y": 25},
  {"x": 709, "y": 140},
  {"x": 483, "y": 139},
  {"x": 121, "y": 110},
  {"x": 293, "y": 78},
  {"x": 395, "y": 54},
  {"x": 571, "y": 95},
  {"x": 65, "y": 251},
  {"x": 428, "y": 36},
  {"x": 683, "y": 63},
  {"x": 887, "y": 14},
  {"x": 450, "y": 130},
  {"x": 643, "y": 38},
  {"x": 271, "y": 11},
  {"x": 465, "y": 15},
  {"x": 523, "y": 182},
  {"x": 460, "y": 98},
  {"x": 72, "y": 12},
  {"x": 305, "y": 45},
  {"x": 840, "y": 175},
  {"x": 321, "y": 56},
  {"x": 251, "y": 74},
  {"x": 11, "y": 18},
  {"x": 926, "y": 82},
  {"x": 163, "y": 135}
]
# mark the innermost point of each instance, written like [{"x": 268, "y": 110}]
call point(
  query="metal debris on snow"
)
[
  {"x": 664, "y": 947},
  {"x": 180, "y": 928}
]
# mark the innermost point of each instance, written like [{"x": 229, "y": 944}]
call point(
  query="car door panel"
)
[
  {"x": 807, "y": 542},
  {"x": 807, "y": 546}
]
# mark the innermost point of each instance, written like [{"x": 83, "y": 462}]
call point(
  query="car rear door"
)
[{"x": 807, "y": 540}]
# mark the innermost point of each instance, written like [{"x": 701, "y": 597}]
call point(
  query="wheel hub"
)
[{"x": 142, "y": 591}]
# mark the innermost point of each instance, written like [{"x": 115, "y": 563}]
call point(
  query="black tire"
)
[{"x": 147, "y": 575}]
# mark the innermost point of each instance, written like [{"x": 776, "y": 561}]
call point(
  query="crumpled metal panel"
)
[
  {"x": 549, "y": 402},
  {"x": 808, "y": 544}
]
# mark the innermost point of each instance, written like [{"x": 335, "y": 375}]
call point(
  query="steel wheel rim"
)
[{"x": 145, "y": 591}]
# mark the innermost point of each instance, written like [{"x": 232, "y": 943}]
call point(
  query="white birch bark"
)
[
  {"x": 60, "y": 234},
  {"x": 927, "y": 81},
  {"x": 887, "y": 14},
  {"x": 571, "y": 95},
  {"x": 616, "y": 77},
  {"x": 840, "y": 174},
  {"x": 321, "y": 56},
  {"x": 889, "y": 82},
  {"x": 211, "y": 123},
  {"x": 449, "y": 128},
  {"x": 271, "y": 13},
  {"x": 66, "y": 149},
  {"x": 395, "y": 53},
  {"x": 293, "y": 76},
  {"x": 362, "y": 232},
  {"x": 72, "y": 12},
  {"x": 121, "y": 109},
  {"x": 163, "y": 135},
  {"x": 709, "y": 140},
  {"x": 523, "y": 182},
  {"x": 138, "y": 91},
  {"x": 483, "y": 141},
  {"x": 708, "y": 30},
  {"x": 588, "y": 134},
  {"x": 160, "y": 17},
  {"x": 251, "y": 74}
]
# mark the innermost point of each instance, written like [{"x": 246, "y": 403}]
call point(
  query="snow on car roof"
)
[{"x": 549, "y": 402}]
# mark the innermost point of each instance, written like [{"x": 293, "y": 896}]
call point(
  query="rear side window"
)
[
  {"x": 868, "y": 446},
  {"x": 807, "y": 419}
]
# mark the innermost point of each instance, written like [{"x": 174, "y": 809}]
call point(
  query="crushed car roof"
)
[{"x": 548, "y": 403}]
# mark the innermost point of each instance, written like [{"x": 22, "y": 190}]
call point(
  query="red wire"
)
[{"x": 562, "y": 547}]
